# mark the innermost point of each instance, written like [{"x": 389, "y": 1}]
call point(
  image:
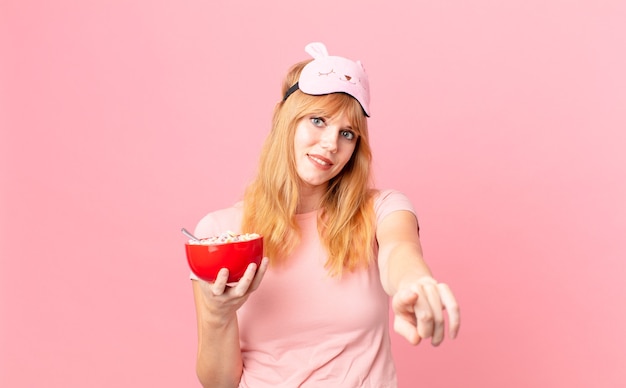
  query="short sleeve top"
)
[{"x": 303, "y": 328}]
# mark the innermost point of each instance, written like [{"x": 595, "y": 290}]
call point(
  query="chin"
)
[{"x": 314, "y": 182}]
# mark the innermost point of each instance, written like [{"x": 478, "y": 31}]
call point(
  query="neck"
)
[{"x": 310, "y": 199}]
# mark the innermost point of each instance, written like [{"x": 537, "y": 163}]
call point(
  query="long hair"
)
[{"x": 346, "y": 220}]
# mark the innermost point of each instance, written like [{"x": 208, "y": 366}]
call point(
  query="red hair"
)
[{"x": 346, "y": 221}]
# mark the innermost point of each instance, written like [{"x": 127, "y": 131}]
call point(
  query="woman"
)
[{"x": 336, "y": 251}]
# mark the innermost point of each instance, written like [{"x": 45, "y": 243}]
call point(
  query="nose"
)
[{"x": 329, "y": 139}]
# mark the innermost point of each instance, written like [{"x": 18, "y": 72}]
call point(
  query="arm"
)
[
  {"x": 418, "y": 300},
  {"x": 218, "y": 362}
]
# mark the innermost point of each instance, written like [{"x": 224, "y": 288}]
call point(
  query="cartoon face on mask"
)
[{"x": 331, "y": 74}]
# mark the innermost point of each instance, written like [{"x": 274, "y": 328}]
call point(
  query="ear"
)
[{"x": 316, "y": 50}]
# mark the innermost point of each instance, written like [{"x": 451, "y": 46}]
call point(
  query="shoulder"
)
[
  {"x": 219, "y": 221},
  {"x": 389, "y": 200}
]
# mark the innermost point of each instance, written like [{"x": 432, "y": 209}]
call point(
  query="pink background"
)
[{"x": 123, "y": 121}]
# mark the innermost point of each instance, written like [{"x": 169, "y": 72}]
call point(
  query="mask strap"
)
[{"x": 290, "y": 91}]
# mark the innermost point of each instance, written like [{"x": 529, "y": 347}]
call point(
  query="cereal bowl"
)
[{"x": 207, "y": 256}]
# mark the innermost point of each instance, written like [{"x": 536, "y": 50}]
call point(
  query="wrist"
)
[
  {"x": 411, "y": 280},
  {"x": 218, "y": 320}
]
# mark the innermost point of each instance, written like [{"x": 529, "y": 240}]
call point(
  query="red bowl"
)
[{"x": 206, "y": 260}]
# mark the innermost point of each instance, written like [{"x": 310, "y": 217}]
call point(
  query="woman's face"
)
[{"x": 323, "y": 146}]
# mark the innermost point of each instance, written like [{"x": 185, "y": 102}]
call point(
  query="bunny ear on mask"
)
[
  {"x": 316, "y": 50},
  {"x": 327, "y": 74}
]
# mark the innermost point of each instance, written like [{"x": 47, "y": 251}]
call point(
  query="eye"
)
[
  {"x": 318, "y": 121},
  {"x": 347, "y": 134}
]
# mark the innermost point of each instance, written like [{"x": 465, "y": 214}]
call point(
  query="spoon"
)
[{"x": 191, "y": 236}]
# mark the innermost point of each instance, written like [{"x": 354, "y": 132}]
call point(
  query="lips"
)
[{"x": 320, "y": 161}]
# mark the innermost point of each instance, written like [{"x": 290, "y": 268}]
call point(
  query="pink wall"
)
[{"x": 122, "y": 121}]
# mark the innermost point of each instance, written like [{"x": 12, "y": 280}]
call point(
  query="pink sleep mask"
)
[{"x": 327, "y": 74}]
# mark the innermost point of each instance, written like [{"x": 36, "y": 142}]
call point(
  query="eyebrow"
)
[
  {"x": 327, "y": 117},
  {"x": 348, "y": 126}
]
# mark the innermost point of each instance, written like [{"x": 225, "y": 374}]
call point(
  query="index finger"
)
[
  {"x": 241, "y": 288},
  {"x": 452, "y": 307},
  {"x": 260, "y": 273},
  {"x": 251, "y": 278}
]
